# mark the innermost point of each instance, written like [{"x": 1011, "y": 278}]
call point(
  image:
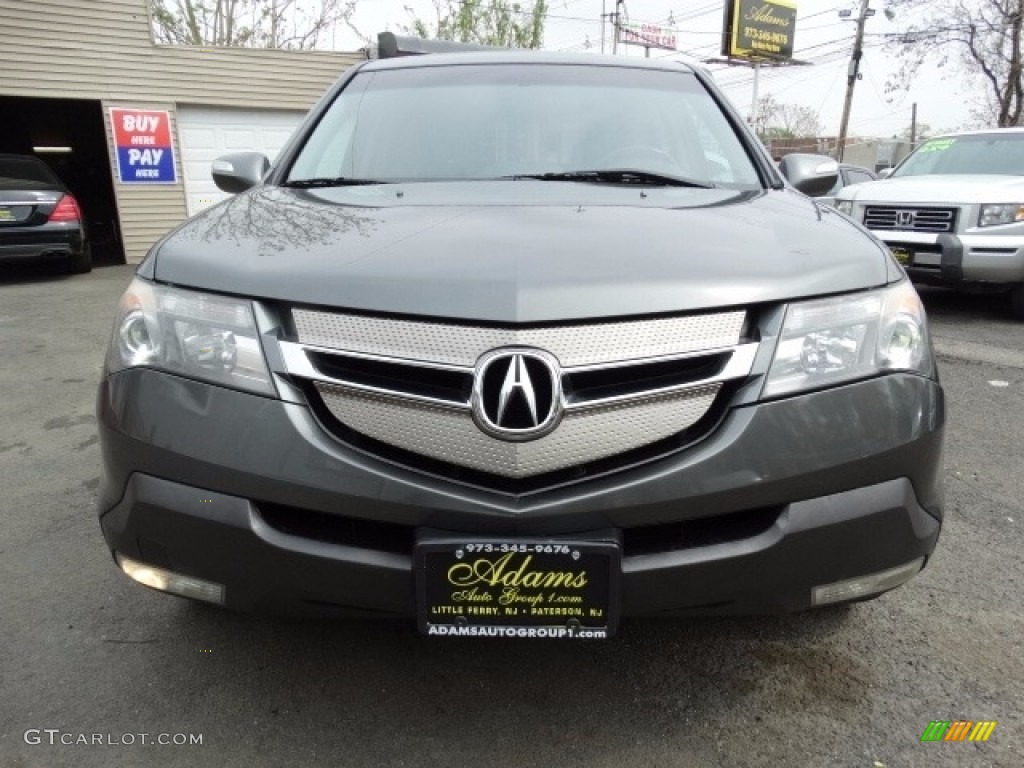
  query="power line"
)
[{"x": 823, "y": 58}]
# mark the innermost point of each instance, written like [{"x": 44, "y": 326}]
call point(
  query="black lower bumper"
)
[{"x": 226, "y": 540}]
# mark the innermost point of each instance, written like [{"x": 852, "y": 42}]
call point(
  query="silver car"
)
[{"x": 953, "y": 212}]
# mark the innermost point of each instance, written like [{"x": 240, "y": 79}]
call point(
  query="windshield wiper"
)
[
  {"x": 617, "y": 176},
  {"x": 338, "y": 181}
]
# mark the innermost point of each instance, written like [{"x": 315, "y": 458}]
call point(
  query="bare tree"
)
[
  {"x": 488, "y": 22},
  {"x": 983, "y": 36},
  {"x": 296, "y": 24},
  {"x": 921, "y": 132},
  {"x": 775, "y": 120}
]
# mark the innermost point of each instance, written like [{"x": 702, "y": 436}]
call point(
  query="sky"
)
[{"x": 822, "y": 37}]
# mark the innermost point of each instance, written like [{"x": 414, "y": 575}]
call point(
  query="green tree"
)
[
  {"x": 296, "y": 24},
  {"x": 501, "y": 23},
  {"x": 980, "y": 38}
]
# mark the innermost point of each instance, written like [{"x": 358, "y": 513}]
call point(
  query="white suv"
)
[{"x": 953, "y": 212}]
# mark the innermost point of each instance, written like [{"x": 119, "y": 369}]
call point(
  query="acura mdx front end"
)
[{"x": 519, "y": 345}]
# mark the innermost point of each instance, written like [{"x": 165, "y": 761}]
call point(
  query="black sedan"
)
[{"x": 39, "y": 219}]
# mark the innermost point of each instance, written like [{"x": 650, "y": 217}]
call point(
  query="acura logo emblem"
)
[{"x": 517, "y": 393}]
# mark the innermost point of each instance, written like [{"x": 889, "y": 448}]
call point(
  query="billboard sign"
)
[
  {"x": 759, "y": 29},
  {"x": 145, "y": 150},
  {"x": 649, "y": 36}
]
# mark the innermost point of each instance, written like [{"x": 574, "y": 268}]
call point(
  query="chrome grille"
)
[
  {"x": 573, "y": 345},
  {"x": 406, "y": 384},
  {"x": 583, "y": 436},
  {"x": 908, "y": 219}
]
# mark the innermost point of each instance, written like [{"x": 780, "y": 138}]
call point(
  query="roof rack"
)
[{"x": 390, "y": 45}]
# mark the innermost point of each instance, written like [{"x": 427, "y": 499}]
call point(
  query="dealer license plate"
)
[
  {"x": 531, "y": 588},
  {"x": 904, "y": 256}
]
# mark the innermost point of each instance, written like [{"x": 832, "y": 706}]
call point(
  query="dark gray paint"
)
[
  {"x": 240, "y": 171},
  {"x": 890, "y": 427},
  {"x": 521, "y": 251}
]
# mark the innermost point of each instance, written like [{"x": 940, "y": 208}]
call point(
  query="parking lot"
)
[{"x": 87, "y": 653}]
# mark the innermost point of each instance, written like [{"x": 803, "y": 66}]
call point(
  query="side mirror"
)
[
  {"x": 239, "y": 172},
  {"x": 814, "y": 175},
  {"x": 885, "y": 173}
]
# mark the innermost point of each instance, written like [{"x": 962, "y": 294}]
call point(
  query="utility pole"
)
[
  {"x": 853, "y": 74},
  {"x": 753, "y": 98},
  {"x": 913, "y": 125},
  {"x": 604, "y": 22},
  {"x": 616, "y": 26}
]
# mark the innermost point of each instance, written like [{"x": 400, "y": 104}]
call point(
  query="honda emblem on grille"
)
[
  {"x": 905, "y": 218},
  {"x": 517, "y": 393}
]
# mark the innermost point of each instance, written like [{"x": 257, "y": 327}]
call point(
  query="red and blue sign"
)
[{"x": 145, "y": 150}]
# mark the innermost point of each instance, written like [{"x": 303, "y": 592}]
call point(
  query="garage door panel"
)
[
  {"x": 240, "y": 141},
  {"x": 207, "y": 133},
  {"x": 277, "y": 138},
  {"x": 199, "y": 138},
  {"x": 198, "y": 171}
]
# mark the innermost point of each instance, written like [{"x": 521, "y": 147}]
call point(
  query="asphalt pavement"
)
[{"x": 88, "y": 657}]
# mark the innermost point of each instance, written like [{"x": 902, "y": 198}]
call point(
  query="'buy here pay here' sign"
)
[{"x": 145, "y": 151}]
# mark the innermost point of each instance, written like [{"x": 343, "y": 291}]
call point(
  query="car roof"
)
[
  {"x": 15, "y": 156},
  {"x": 521, "y": 56},
  {"x": 977, "y": 132},
  {"x": 52, "y": 180}
]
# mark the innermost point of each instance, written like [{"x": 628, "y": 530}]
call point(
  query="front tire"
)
[{"x": 1017, "y": 301}]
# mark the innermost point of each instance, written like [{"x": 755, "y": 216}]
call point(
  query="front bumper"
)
[
  {"x": 948, "y": 259},
  {"x": 784, "y": 496}
]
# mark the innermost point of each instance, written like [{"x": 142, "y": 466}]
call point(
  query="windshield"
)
[
  {"x": 997, "y": 153},
  {"x": 493, "y": 121}
]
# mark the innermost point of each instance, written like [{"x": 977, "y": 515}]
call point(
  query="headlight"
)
[
  {"x": 828, "y": 341},
  {"x": 991, "y": 215},
  {"x": 194, "y": 334},
  {"x": 844, "y": 206}
]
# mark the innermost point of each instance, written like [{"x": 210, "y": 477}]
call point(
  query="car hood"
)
[
  {"x": 520, "y": 251},
  {"x": 949, "y": 188}
]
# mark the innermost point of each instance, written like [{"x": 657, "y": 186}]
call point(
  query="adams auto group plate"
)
[{"x": 530, "y": 588}]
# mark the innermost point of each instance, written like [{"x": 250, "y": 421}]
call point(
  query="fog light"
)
[
  {"x": 862, "y": 586},
  {"x": 168, "y": 581}
]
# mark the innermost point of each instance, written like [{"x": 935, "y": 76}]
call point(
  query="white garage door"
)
[{"x": 207, "y": 133}]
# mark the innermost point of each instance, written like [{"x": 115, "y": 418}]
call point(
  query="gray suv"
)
[{"x": 518, "y": 345}]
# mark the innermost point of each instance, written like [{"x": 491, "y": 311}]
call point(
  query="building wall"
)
[{"x": 103, "y": 50}]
